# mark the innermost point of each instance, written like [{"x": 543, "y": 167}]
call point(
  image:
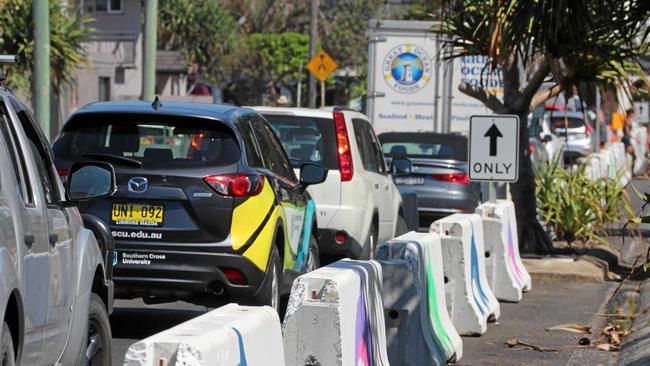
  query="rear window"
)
[
  {"x": 306, "y": 139},
  {"x": 157, "y": 141},
  {"x": 561, "y": 123},
  {"x": 424, "y": 146}
]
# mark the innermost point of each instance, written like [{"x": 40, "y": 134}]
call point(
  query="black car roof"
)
[{"x": 221, "y": 112}]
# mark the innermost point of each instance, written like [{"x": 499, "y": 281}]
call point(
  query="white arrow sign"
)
[{"x": 493, "y": 148}]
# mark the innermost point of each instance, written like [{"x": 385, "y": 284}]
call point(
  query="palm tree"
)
[{"x": 568, "y": 42}]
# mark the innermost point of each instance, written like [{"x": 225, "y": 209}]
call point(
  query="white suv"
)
[{"x": 358, "y": 205}]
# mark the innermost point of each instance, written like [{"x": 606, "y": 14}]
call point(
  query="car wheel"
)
[
  {"x": 269, "y": 294},
  {"x": 8, "y": 356},
  {"x": 97, "y": 350},
  {"x": 401, "y": 227},
  {"x": 370, "y": 243},
  {"x": 313, "y": 262}
]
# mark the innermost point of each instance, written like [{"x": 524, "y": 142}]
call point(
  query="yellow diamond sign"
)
[{"x": 321, "y": 65}]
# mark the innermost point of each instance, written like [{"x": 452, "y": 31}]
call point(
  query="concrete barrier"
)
[
  {"x": 506, "y": 273},
  {"x": 335, "y": 317},
  {"x": 231, "y": 335},
  {"x": 418, "y": 328},
  {"x": 593, "y": 166},
  {"x": 469, "y": 298},
  {"x": 639, "y": 141}
]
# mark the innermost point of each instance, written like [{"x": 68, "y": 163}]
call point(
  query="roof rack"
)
[{"x": 6, "y": 59}]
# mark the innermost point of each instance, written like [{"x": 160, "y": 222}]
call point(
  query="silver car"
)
[
  {"x": 439, "y": 174},
  {"x": 55, "y": 290},
  {"x": 574, "y": 131}
]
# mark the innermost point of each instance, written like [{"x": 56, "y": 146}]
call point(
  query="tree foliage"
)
[
  {"x": 68, "y": 32},
  {"x": 568, "y": 42},
  {"x": 204, "y": 31}
]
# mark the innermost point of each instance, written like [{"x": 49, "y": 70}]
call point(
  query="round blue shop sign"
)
[{"x": 407, "y": 68}]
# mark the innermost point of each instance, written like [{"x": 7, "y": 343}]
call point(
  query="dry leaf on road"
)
[
  {"x": 573, "y": 328},
  {"x": 511, "y": 343}
]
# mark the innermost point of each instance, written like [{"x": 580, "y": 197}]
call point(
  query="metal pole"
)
[
  {"x": 149, "y": 54},
  {"x": 322, "y": 93},
  {"x": 492, "y": 192},
  {"x": 436, "y": 94},
  {"x": 446, "y": 123},
  {"x": 299, "y": 92},
  {"x": 597, "y": 144},
  {"x": 313, "y": 43},
  {"x": 41, "y": 67}
]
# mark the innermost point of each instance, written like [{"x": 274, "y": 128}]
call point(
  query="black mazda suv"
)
[{"x": 208, "y": 209}]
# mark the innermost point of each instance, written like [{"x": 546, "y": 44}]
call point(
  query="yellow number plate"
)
[{"x": 137, "y": 215}]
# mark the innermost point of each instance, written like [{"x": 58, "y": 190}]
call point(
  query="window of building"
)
[
  {"x": 103, "y": 6},
  {"x": 104, "y": 92},
  {"x": 119, "y": 75}
]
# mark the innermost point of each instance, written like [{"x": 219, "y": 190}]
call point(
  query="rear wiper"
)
[{"x": 111, "y": 158}]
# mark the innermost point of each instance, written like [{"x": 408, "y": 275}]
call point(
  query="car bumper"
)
[
  {"x": 183, "y": 273},
  {"x": 327, "y": 244}
]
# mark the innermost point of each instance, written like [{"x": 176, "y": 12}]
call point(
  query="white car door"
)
[
  {"x": 58, "y": 237},
  {"x": 377, "y": 180}
]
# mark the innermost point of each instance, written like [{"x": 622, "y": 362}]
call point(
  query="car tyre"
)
[
  {"x": 370, "y": 244},
  {"x": 313, "y": 261},
  {"x": 97, "y": 346},
  {"x": 269, "y": 294},
  {"x": 8, "y": 356},
  {"x": 401, "y": 227}
]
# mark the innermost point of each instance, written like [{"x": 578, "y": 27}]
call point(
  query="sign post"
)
[
  {"x": 321, "y": 66},
  {"x": 494, "y": 150}
]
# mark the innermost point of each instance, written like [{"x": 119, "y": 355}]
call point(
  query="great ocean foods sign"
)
[{"x": 407, "y": 68}]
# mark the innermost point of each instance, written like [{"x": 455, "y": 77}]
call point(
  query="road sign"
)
[
  {"x": 494, "y": 148},
  {"x": 321, "y": 65}
]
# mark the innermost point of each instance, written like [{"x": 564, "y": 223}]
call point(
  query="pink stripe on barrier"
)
[{"x": 511, "y": 254}]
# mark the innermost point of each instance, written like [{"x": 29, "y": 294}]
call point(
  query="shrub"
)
[{"x": 579, "y": 208}]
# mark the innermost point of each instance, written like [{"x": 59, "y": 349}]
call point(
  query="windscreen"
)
[
  {"x": 159, "y": 143},
  {"x": 306, "y": 139},
  {"x": 562, "y": 123},
  {"x": 424, "y": 146}
]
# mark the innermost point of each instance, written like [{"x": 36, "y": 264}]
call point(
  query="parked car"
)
[
  {"x": 439, "y": 175},
  {"x": 211, "y": 213},
  {"x": 546, "y": 146},
  {"x": 573, "y": 130},
  {"x": 358, "y": 204},
  {"x": 56, "y": 290}
]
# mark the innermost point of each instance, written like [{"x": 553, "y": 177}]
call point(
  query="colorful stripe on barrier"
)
[{"x": 442, "y": 341}]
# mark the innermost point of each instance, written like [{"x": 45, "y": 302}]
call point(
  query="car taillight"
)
[
  {"x": 236, "y": 185},
  {"x": 460, "y": 178},
  {"x": 343, "y": 148},
  {"x": 234, "y": 276},
  {"x": 531, "y": 149},
  {"x": 62, "y": 172},
  {"x": 588, "y": 129}
]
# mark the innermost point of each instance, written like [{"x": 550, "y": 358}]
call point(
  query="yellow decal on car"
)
[
  {"x": 248, "y": 216},
  {"x": 259, "y": 251}
]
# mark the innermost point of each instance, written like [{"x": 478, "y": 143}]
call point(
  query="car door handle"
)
[
  {"x": 53, "y": 239},
  {"x": 29, "y": 240}
]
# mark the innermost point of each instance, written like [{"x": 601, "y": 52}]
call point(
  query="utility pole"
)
[
  {"x": 41, "y": 66},
  {"x": 313, "y": 43},
  {"x": 149, "y": 54}
]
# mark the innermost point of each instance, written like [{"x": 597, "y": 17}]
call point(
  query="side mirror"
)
[
  {"x": 90, "y": 180},
  {"x": 401, "y": 166},
  {"x": 547, "y": 138},
  {"x": 311, "y": 173}
]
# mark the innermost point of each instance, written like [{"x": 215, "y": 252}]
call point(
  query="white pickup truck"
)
[{"x": 55, "y": 290}]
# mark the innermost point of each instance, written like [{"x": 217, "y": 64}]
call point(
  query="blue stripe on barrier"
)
[
  {"x": 476, "y": 279},
  {"x": 242, "y": 352}
]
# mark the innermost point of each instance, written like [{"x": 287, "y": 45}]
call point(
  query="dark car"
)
[
  {"x": 439, "y": 175},
  {"x": 208, "y": 208}
]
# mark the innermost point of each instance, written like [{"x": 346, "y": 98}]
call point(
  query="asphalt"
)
[
  {"x": 547, "y": 305},
  {"x": 132, "y": 320}
]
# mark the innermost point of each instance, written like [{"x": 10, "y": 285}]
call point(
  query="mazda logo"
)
[{"x": 138, "y": 184}]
